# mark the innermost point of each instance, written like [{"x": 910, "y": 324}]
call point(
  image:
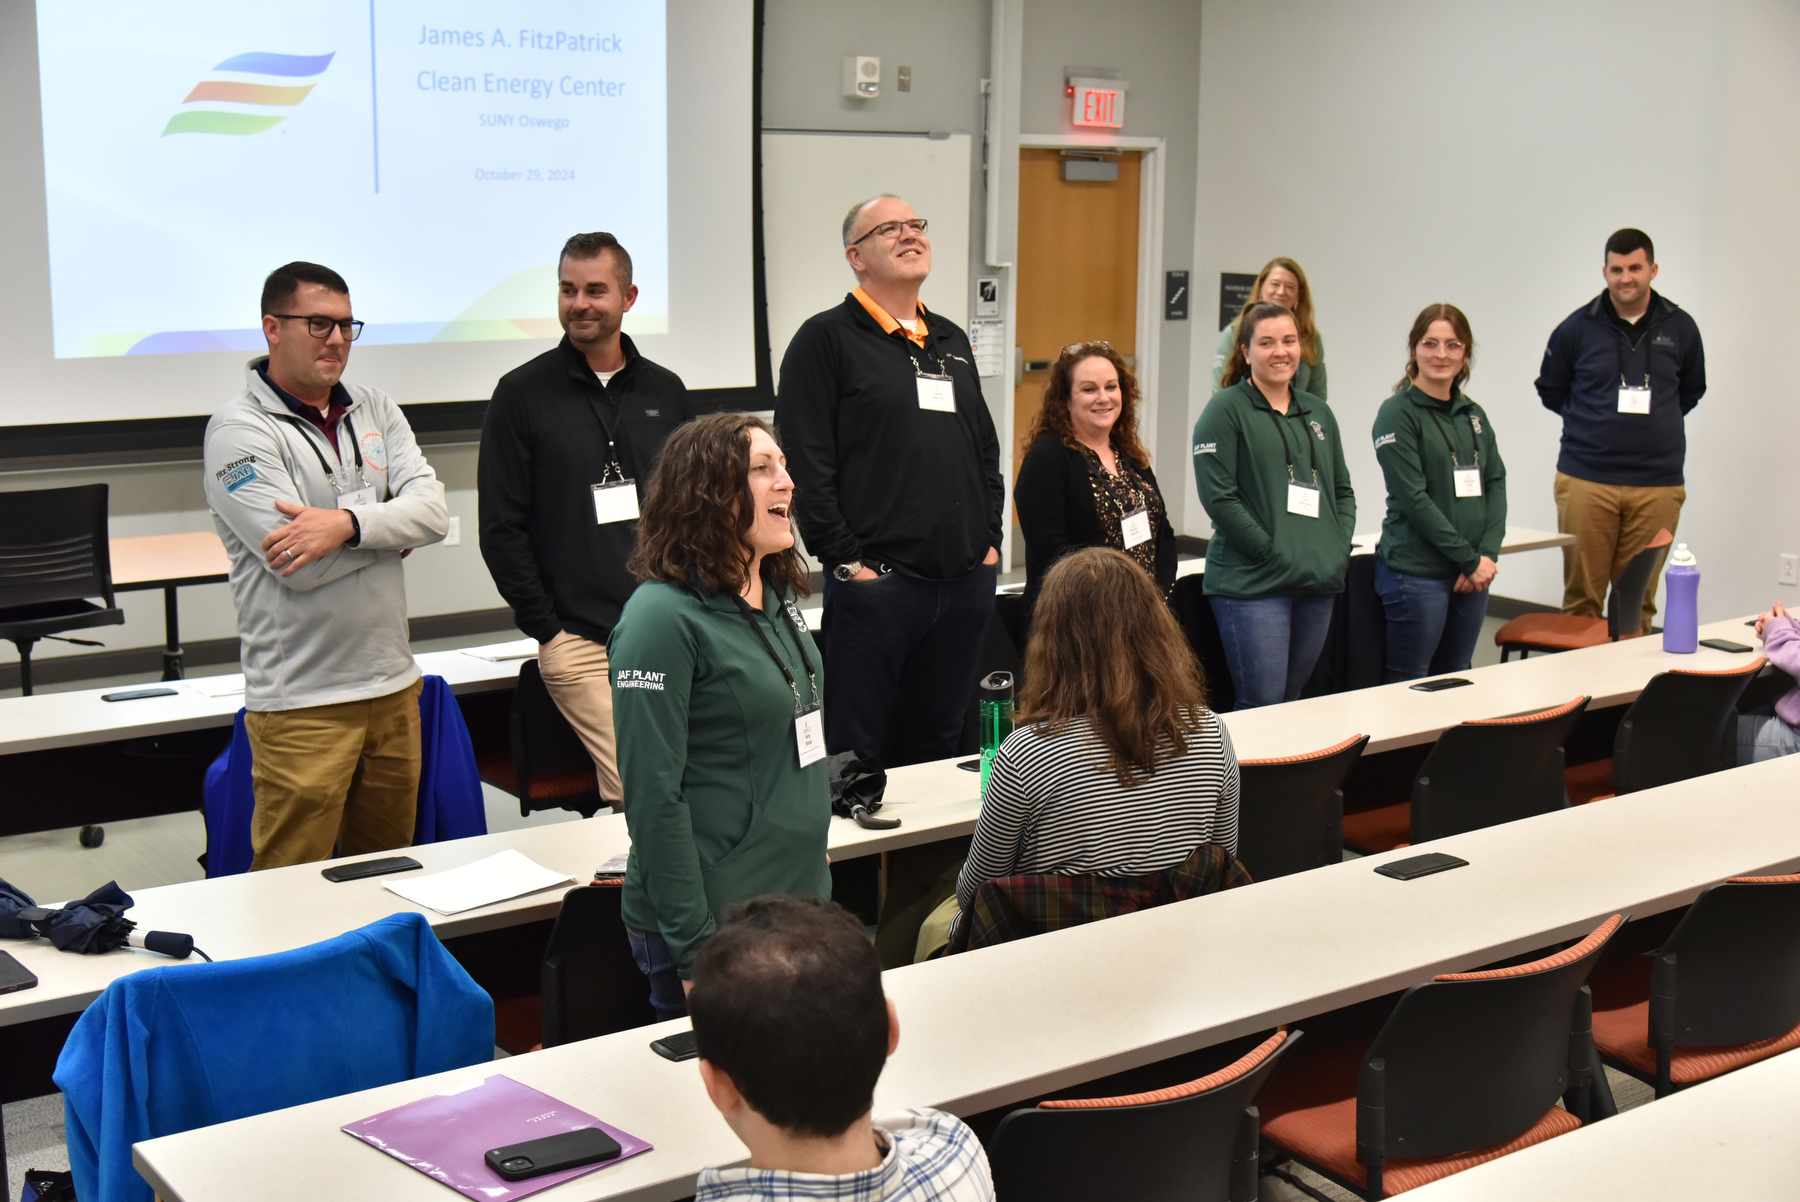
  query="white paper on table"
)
[
  {"x": 496, "y": 652},
  {"x": 216, "y": 686},
  {"x": 501, "y": 876}
]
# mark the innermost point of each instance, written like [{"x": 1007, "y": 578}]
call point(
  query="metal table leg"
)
[{"x": 172, "y": 651}]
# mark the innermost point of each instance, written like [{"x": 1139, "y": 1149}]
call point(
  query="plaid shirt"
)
[
  {"x": 931, "y": 1157},
  {"x": 1017, "y": 907}
]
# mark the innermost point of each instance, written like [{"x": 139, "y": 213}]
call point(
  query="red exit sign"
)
[{"x": 1097, "y": 103}]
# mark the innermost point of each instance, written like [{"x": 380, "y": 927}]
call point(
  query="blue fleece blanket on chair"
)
[
  {"x": 450, "y": 805},
  {"x": 174, "y": 1048}
]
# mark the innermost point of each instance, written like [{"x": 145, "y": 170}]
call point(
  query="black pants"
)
[{"x": 903, "y": 650}]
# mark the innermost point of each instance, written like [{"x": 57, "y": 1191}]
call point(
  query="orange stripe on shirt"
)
[{"x": 888, "y": 324}]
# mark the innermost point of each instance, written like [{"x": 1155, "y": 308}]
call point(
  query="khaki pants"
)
[
  {"x": 1611, "y": 523},
  {"x": 574, "y": 670},
  {"x": 344, "y": 775}
]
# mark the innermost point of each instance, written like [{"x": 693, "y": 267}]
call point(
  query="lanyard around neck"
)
[
  {"x": 1280, "y": 421},
  {"x": 1439, "y": 420},
  {"x": 355, "y": 448},
  {"x": 812, "y": 680}
]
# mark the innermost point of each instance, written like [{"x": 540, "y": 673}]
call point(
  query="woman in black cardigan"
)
[{"x": 1086, "y": 481}]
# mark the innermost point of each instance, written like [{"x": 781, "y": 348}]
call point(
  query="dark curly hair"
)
[
  {"x": 1053, "y": 415},
  {"x": 697, "y": 512}
]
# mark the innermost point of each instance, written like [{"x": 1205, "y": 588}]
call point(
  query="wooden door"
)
[{"x": 1077, "y": 270}]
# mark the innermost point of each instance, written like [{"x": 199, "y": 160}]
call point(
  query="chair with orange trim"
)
[
  {"x": 1565, "y": 632},
  {"x": 1467, "y": 1068},
  {"x": 1723, "y": 991},
  {"x": 1480, "y": 773},
  {"x": 1291, "y": 809},
  {"x": 549, "y": 767},
  {"x": 1684, "y": 724},
  {"x": 588, "y": 983},
  {"x": 1189, "y": 1143}
]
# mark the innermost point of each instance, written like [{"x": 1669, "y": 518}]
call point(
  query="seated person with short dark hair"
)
[{"x": 793, "y": 1031}]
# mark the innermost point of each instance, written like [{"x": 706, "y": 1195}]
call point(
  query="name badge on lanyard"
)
[
  {"x": 809, "y": 736},
  {"x": 615, "y": 502},
  {"x": 1634, "y": 400},
  {"x": 358, "y": 497},
  {"x": 1135, "y": 528},
  {"x": 1303, "y": 499},
  {"x": 1468, "y": 481},
  {"x": 937, "y": 393}
]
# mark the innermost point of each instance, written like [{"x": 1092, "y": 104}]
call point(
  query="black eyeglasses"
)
[
  {"x": 891, "y": 229},
  {"x": 320, "y": 327},
  {"x": 1081, "y": 348}
]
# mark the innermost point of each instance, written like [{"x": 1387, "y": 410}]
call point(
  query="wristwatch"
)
[{"x": 847, "y": 571}]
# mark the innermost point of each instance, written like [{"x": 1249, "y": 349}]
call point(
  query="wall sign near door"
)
[
  {"x": 1234, "y": 290},
  {"x": 1175, "y": 296}
]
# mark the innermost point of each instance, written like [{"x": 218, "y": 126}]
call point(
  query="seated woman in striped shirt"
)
[{"x": 1117, "y": 767}]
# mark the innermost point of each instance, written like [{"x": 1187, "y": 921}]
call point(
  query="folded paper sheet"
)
[{"x": 502, "y": 875}]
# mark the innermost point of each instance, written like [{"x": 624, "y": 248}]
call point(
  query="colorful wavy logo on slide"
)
[{"x": 226, "y": 121}]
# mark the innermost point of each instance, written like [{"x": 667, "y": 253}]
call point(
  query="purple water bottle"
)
[{"x": 1681, "y": 601}]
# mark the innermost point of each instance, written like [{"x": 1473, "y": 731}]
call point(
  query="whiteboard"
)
[{"x": 810, "y": 180}]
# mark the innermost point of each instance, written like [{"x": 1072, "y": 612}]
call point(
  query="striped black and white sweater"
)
[{"x": 1054, "y": 806}]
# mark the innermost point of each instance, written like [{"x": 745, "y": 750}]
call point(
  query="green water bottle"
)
[{"x": 996, "y": 719}]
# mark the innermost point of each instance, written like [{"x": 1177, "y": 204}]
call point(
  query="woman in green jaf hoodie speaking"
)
[{"x": 716, "y": 686}]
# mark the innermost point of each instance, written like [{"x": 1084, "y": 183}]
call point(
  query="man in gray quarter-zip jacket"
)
[{"x": 318, "y": 491}]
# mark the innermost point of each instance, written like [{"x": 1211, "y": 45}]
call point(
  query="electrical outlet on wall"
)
[
  {"x": 454, "y": 537},
  {"x": 1790, "y": 570}
]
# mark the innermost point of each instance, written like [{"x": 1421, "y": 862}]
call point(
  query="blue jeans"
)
[
  {"x": 1272, "y": 643},
  {"x": 1431, "y": 628},
  {"x": 656, "y": 961},
  {"x": 1763, "y": 735}
]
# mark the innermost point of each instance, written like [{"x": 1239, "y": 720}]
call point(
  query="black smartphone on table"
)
[
  {"x": 552, "y": 1154},
  {"x": 1440, "y": 684},
  {"x": 137, "y": 694},
  {"x": 15, "y": 976},
  {"x": 679, "y": 1046},
  {"x": 337, "y": 874},
  {"x": 1414, "y": 867},
  {"x": 1726, "y": 645}
]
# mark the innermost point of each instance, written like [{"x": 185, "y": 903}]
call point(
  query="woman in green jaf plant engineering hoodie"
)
[
  {"x": 716, "y": 686},
  {"x": 1446, "y": 505},
  {"x": 1270, "y": 468}
]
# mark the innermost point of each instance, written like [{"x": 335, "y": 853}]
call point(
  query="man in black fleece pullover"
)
[
  {"x": 898, "y": 491},
  {"x": 557, "y": 526},
  {"x": 1622, "y": 372}
]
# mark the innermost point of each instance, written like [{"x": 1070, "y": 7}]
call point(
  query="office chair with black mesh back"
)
[{"x": 53, "y": 557}]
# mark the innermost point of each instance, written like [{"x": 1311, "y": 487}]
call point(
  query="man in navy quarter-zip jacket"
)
[
  {"x": 898, "y": 490},
  {"x": 1622, "y": 371}
]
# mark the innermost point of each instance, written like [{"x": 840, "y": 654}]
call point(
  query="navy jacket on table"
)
[{"x": 1594, "y": 353}]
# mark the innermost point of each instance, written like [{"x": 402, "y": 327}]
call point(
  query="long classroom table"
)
[
  {"x": 1006, "y": 1023},
  {"x": 933, "y": 801},
  {"x": 1736, "y": 1136},
  {"x": 279, "y": 909}
]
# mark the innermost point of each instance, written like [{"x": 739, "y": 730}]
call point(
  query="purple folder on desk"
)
[{"x": 447, "y": 1136}]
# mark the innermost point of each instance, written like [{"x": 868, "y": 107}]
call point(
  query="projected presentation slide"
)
[{"x": 434, "y": 154}]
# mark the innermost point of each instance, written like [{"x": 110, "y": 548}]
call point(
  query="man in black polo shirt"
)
[
  {"x": 568, "y": 445},
  {"x": 898, "y": 491}
]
